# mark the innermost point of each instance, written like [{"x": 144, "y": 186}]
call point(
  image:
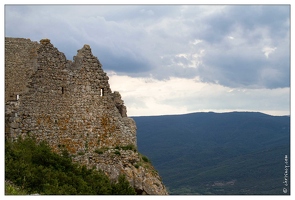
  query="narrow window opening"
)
[
  {"x": 101, "y": 92},
  {"x": 62, "y": 90}
]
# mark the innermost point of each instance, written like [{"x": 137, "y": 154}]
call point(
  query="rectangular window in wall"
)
[{"x": 101, "y": 92}]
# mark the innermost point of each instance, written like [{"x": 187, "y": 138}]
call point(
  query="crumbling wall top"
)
[
  {"x": 71, "y": 106},
  {"x": 45, "y": 41}
]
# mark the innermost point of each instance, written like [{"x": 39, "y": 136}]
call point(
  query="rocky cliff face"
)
[{"x": 71, "y": 105}]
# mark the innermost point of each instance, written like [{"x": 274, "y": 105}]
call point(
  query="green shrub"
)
[
  {"x": 37, "y": 170},
  {"x": 122, "y": 187},
  {"x": 11, "y": 189},
  {"x": 129, "y": 147},
  {"x": 117, "y": 153},
  {"x": 98, "y": 151},
  {"x": 145, "y": 159}
]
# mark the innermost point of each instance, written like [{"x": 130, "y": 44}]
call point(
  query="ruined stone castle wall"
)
[
  {"x": 71, "y": 106},
  {"x": 20, "y": 64}
]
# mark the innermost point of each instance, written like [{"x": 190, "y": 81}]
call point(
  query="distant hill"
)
[{"x": 217, "y": 153}]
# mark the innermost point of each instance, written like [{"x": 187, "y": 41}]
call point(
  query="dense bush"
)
[
  {"x": 36, "y": 169},
  {"x": 11, "y": 189},
  {"x": 145, "y": 159}
]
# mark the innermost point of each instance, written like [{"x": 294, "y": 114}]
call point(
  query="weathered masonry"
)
[
  {"x": 66, "y": 101},
  {"x": 70, "y": 104}
]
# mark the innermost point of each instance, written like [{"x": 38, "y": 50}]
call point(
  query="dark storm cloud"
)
[
  {"x": 275, "y": 17},
  {"x": 236, "y": 37},
  {"x": 235, "y": 46},
  {"x": 246, "y": 66},
  {"x": 136, "y": 13},
  {"x": 167, "y": 59},
  {"x": 222, "y": 22},
  {"x": 125, "y": 62},
  {"x": 110, "y": 41}
]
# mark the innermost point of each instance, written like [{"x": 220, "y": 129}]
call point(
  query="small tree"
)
[{"x": 122, "y": 187}]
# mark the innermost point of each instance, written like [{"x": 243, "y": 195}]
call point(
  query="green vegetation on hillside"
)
[
  {"x": 11, "y": 189},
  {"x": 33, "y": 168},
  {"x": 217, "y": 153}
]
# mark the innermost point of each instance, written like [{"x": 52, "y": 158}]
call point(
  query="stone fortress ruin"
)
[{"x": 70, "y": 105}]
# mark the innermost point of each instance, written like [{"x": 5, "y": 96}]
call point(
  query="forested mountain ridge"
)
[{"x": 217, "y": 153}]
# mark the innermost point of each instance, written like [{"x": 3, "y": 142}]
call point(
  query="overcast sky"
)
[{"x": 173, "y": 59}]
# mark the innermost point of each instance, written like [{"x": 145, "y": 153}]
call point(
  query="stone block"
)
[{"x": 14, "y": 125}]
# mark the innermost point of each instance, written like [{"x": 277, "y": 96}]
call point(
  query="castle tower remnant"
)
[{"x": 71, "y": 106}]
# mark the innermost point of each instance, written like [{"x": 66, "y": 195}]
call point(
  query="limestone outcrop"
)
[{"x": 70, "y": 105}]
